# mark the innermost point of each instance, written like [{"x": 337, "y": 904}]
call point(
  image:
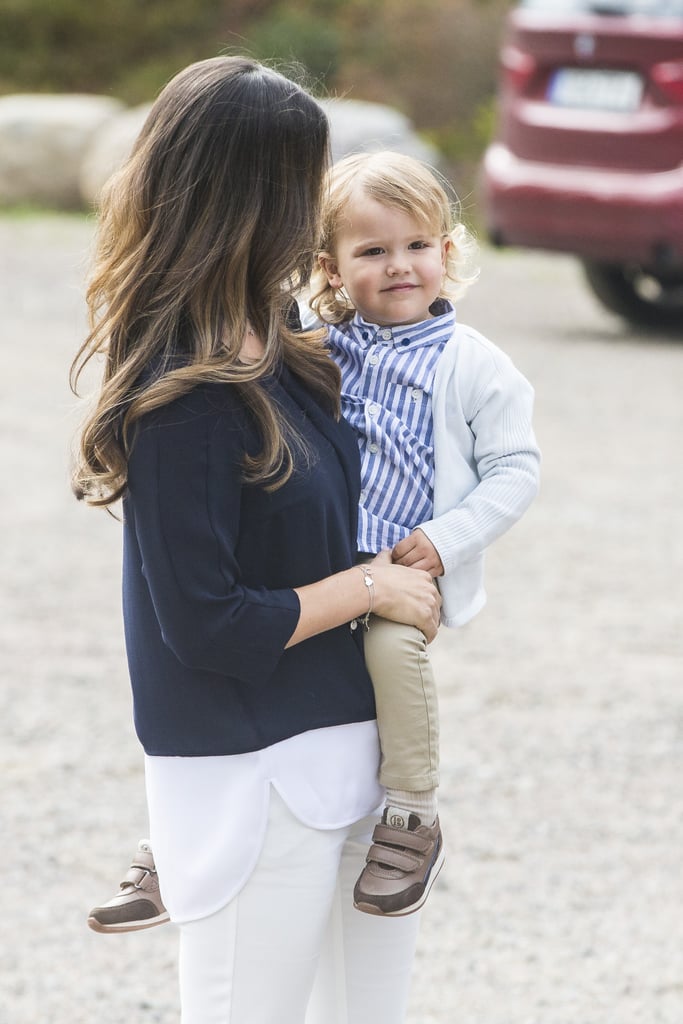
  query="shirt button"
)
[
  {"x": 415, "y": 394},
  {"x": 373, "y": 448},
  {"x": 373, "y": 409},
  {"x": 385, "y": 334},
  {"x": 362, "y": 496},
  {"x": 373, "y": 360}
]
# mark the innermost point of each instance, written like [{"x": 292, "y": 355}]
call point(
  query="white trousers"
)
[{"x": 290, "y": 948}]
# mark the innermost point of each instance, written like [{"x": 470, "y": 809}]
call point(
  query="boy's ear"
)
[
  {"x": 331, "y": 271},
  {"x": 446, "y": 245}
]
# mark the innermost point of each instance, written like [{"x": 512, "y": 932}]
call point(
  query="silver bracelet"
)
[{"x": 370, "y": 584}]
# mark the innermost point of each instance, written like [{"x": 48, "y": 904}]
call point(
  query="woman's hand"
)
[
  {"x": 406, "y": 595},
  {"x": 398, "y": 593}
]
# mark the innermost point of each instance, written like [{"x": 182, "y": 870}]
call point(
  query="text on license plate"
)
[{"x": 596, "y": 90}]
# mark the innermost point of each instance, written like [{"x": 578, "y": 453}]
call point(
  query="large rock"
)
[
  {"x": 357, "y": 126},
  {"x": 108, "y": 149},
  {"x": 43, "y": 140},
  {"x": 354, "y": 126}
]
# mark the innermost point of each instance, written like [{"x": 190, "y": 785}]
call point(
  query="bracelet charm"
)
[{"x": 370, "y": 584}]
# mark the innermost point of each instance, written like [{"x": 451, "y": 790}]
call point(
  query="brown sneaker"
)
[
  {"x": 137, "y": 904},
  {"x": 402, "y": 864}
]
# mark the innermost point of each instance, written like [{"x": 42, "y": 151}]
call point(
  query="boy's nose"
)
[{"x": 397, "y": 266}]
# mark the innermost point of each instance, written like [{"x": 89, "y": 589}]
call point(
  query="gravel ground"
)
[{"x": 562, "y": 796}]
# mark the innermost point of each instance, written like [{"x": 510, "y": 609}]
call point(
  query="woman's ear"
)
[{"x": 331, "y": 271}]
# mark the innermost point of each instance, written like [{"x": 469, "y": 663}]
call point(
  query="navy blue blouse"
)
[{"x": 209, "y": 567}]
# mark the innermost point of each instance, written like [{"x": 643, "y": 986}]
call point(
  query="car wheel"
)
[{"x": 642, "y": 298}]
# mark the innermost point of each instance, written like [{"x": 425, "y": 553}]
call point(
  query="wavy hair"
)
[
  {"x": 406, "y": 184},
  {"x": 206, "y": 228}
]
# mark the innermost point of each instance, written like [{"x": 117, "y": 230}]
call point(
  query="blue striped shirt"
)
[{"x": 387, "y": 382}]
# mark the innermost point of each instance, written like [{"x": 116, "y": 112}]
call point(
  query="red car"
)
[{"x": 588, "y": 157}]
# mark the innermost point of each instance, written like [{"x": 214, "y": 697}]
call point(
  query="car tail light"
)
[
  {"x": 517, "y": 67},
  {"x": 668, "y": 77}
]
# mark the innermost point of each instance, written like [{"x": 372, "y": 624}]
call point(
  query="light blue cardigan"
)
[{"x": 486, "y": 463}]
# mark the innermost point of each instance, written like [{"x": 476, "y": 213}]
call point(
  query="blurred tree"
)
[
  {"x": 436, "y": 62},
  {"x": 298, "y": 35},
  {"x": 433, "y": 60},
  {"x": 79, "y": 46}
]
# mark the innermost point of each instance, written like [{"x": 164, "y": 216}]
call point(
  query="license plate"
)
[{"x": 588, "y": 89}]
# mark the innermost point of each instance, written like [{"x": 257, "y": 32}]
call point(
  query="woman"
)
[{"x": 219, "y": 427}]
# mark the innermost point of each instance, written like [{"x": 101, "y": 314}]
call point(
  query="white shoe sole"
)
[{"x": 127, "y": 926}]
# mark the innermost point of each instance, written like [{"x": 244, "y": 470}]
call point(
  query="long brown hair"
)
[{"x": 201, "y": 231}]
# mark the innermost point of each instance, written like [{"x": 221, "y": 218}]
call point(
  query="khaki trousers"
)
[{"x": 407, "y": 707}]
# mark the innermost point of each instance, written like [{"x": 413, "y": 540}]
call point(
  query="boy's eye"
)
[
  {"x": 375, "y": 250},
  {"x": 418, "y": 245}
]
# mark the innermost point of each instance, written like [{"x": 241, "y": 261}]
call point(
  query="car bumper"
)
[{"x": 594, "y": 213}]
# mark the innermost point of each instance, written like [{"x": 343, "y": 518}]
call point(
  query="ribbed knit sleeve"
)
[{"x": 486, "y": 455}]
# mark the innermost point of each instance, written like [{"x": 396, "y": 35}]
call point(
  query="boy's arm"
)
[{"x": 507, "y": 460}]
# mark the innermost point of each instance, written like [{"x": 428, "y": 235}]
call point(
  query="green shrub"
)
[
  {"x": 295, "y": 35},
  {"x": 77, "y": 46},
  {"x": 434, "y": 61}
]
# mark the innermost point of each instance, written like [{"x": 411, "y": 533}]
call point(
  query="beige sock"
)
[{"x": 422, "y": 803}]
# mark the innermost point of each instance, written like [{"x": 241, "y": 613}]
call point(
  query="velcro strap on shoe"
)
[
  {"x": 135, "y": 875},
  {"x": 397, "y": 837},
  {"x": 392, "y": 857}
]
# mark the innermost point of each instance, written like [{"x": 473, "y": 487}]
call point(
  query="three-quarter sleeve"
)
[{"x": 185, "y": 498}]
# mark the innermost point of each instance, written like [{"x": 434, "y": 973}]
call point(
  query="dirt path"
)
[{"x": 562, "y": 800}]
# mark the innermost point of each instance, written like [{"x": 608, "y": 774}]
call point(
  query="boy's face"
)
[{"x": 389, "y": 263}]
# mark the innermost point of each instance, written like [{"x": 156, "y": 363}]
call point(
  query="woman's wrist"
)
[
  {"x": 342, "y": 598},
  {"x": 370, "y": 585}
]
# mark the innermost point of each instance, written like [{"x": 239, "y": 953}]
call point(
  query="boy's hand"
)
[{"x": 418, "y": 552}]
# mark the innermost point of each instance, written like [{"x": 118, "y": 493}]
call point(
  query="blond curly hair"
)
[{"x": 406, "y": 184}]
